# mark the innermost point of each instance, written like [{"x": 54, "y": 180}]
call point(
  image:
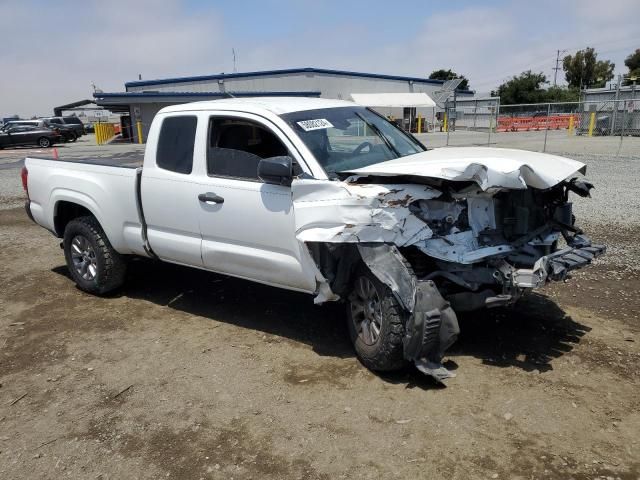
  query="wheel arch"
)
[
  {"x": 65, "y": 211},
  {"x": 338, "y": 263},
  {"x": 68, "y": 205}
]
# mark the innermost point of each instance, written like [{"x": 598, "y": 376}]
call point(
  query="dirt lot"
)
[{"x": 186, "y": 374}]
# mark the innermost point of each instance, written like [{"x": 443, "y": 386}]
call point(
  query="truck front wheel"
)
[
  {"x": 93, "y": 263},
  {"x": 376, "y": 323}
]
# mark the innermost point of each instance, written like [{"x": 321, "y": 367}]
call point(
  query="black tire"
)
[
  {"x": 44, "y": 142},
  {"x": 73, "y": 137},
  {"x": 385, "y": 353},
  {"x": 109, "y": 266}
]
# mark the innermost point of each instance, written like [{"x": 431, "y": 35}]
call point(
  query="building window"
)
[{"x": 175, "y": 145}]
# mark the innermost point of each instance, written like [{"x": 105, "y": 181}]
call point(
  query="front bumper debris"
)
[{"x": 554, "y": 267}]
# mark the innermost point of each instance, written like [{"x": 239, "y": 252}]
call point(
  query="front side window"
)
[
  {"x": 175, "y": 145},
  {"x": 236, "y": 146},
  {"x": 348, "y": 138}
]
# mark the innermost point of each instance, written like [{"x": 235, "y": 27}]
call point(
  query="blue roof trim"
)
[
  {"x": 222, "y": 76},
  {"x": 205, "y": 94}
]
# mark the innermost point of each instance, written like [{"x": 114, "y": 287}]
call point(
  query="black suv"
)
[
  {"x": 68, "y": 133},
  {"x": 71, "y": 122}
]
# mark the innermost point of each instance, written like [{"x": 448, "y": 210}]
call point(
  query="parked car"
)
[
  {"x": 16, "y": 134},
  {"x": 66, "y": 132},
  {"x": 283, "y": 191}
]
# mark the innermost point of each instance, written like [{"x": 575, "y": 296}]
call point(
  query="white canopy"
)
[{"x": 393, "y": 99}]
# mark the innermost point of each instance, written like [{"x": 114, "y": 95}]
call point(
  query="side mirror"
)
[{"x": 276, "y": 170}]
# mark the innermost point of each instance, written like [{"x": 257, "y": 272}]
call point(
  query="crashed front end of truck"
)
[{"x": 470, "y": 237}]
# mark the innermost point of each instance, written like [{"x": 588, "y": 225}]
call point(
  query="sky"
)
[{"x": 54, "y": 51}]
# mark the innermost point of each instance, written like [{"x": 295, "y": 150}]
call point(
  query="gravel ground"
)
[{"x": 186, "y": 374}]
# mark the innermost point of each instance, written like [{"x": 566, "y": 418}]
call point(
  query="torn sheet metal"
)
[
  {"x": 437, "y": 371},
  {"x": 430, "y": 331},
  {"x": 490, "y": 168},
  {"x": 337, "y": 212},
  {"x": 432, "y": 326},
  {"x": 386, "y": 263}
]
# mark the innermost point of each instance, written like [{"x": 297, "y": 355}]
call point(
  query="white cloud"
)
[{"x": 54, "y": 54}]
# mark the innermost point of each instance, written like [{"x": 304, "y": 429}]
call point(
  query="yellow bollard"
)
[
  {"x": 98, "y": 134},
  {"x": 445, "y": 122},
  {"x": 139, "y": 127},
  {"x": 419, "y": 123},
  {"x": 592, "y": 123},
  {"x": 570, "y": 132}
]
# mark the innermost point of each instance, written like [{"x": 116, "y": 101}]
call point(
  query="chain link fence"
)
[{"x": 608, "y": 127}]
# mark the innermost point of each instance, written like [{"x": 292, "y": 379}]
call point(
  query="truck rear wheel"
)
[
  {"x": 93, "y": 263},
  {"x": 376, "y": 323}
]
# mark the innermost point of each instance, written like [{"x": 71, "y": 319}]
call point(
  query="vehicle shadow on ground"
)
[
  {"x": 242, "y": 303},
  {"x": 527, "y": 336}
]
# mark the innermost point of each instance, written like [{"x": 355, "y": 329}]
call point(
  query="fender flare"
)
[{"x": 65, "y": 195}]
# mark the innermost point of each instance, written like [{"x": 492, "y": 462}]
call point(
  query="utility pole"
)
[{"x": 557, "y": 67}]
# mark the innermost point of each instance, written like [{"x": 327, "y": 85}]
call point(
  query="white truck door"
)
[
  {"x": 247, "y": 226},
  {"x": 169, "y": 196}
]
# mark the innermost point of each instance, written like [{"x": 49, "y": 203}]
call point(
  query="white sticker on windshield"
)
[{"x": 316, "y": 124}]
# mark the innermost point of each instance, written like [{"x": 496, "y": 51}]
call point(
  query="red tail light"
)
[{"x": 24, "y": 174}]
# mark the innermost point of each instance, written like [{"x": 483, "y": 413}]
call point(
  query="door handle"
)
[{"x": 210, "y": 198}]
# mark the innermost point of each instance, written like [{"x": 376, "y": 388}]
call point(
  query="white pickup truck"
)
[{"x": 329, "y": 198}]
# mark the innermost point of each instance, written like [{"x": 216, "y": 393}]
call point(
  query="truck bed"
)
[{"x": 105, "y": 189}]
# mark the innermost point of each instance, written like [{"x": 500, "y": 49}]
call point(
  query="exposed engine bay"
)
[{"x": 442, "y": 246}]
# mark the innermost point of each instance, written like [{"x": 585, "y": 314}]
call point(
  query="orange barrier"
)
[{"x": 520, "y": 124}]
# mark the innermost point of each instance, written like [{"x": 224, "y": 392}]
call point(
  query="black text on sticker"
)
[{"x": 316, "y": 124}]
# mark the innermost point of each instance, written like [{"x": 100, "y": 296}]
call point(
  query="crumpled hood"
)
[{"x": 490, "y": 168}]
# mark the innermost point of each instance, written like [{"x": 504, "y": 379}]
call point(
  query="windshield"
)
[{"x": 347, "y": 138}]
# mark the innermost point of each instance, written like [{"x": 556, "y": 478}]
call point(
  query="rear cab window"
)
[{"x": 176, "y": 142}]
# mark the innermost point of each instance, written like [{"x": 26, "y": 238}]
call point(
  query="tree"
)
[
  {"x": 584, "y": 70},
  {"x": 561, "y": 94},
  {"x": 633, "y": 64},
  {"x": 523, "y": 88},
  {"x": 443, "y": 74}
]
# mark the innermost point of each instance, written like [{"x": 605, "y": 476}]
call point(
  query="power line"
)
[{"x": 557, "y": 67}]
